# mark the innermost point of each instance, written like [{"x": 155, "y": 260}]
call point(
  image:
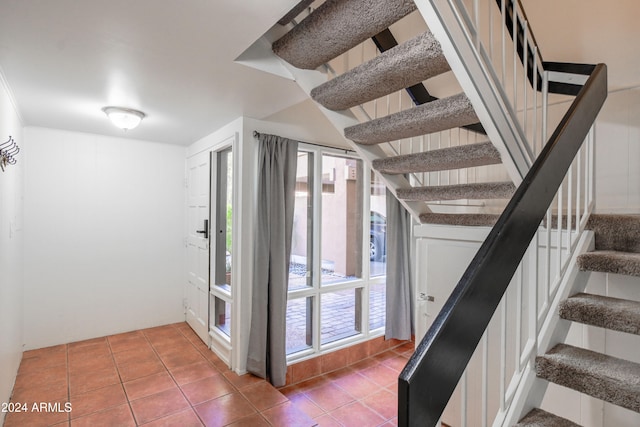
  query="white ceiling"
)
[{"x": 173, "y": 59}]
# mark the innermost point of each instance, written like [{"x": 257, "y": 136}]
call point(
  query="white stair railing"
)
[
  {"x": 495, "y": 377},
  {"x": 476, "y": 41}
]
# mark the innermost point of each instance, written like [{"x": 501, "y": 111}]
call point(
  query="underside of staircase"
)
[
  {"x": 614, "y": 380},
  {"x": 337, "y": 26}
]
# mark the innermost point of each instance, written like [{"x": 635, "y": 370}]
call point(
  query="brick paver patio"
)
[{"x": 338, "y": 309}]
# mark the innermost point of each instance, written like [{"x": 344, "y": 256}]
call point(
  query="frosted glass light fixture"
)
[{"x": 124, "y": 118}]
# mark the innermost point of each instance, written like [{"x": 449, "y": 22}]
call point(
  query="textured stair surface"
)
[
  {"x": 604, "y": 377},
  {"x": 443, "y": 114},
  {"x": 400, "y": 67},
  {"x": 616, "y": 232},
  {"x": 337, "y": 26},
  {"x": 462, "y": 219},
  {"x": 627, "y": 263},
  {"x": 606, "y": 312},
  {"x": 488, "y": 190},
  {"x": 540, "y": 418},
  {"x": 459, "y": 157}
]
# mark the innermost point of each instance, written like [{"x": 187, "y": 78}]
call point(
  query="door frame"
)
[{"x": 220, "y": 343}]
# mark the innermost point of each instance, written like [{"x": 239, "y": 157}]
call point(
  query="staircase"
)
[
  {"x": 334, "y": 28},
  {"x": 511, "y": 133},
  {"x": 614, "y": 380}
]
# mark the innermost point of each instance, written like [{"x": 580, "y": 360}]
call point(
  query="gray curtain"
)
[
  {"x": 399, "y": 308},
  {"x": 277, "y": 163}
]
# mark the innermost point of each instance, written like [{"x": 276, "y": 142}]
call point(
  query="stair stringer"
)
[
  {"x": 554, "y": 330},
  {"x": 480, "y": 85},
  {"x": 309, "y": 79}
]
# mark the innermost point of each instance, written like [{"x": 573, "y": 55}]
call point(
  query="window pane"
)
[
  {"x": 224, "y": 210},
  {"x": 341, "y": 219},
  {"x": 302, "y": 241},
  {"x": 299, "y": 324},
  {"x": 377, "y": 309},
  {"x": 340, "y": 314},
  {"x": 378, "y": 228},
  {"x": 222, "y": 315}
]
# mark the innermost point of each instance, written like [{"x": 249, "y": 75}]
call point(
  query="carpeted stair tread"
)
[
  {"x": 616, "y": 232},
  {"x": 604, "y": 377},
  {"x": 435, "y": 116},
  {"x": 400, "y": 67},
  {"x": 459, "y": 157},
  {"x": 462, "y": 219},
  {"x": 335, "y": 27},
  {"x": 605, "y": 312},
  {"x": 539, "y": 418},
  {"x": 626, "y": 263},
  {"x": 483, "y": 190}
]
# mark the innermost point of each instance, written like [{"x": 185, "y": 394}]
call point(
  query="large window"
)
[
  {"x": 341, "y": 220},
  {"x": 302, "y": 238},
  {"x": 377, "y": 252},
  {"x": 338, "y": 257}
]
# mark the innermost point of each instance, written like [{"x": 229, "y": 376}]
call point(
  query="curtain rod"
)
[{"x": 257, "y": 134}]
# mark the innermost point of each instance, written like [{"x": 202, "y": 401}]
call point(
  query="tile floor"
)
[
  {"x": 362, "y": 394},
  {"x": 166, "y": 376}
]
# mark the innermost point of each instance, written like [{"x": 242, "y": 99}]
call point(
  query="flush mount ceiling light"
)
[{"x": 124, "y": 118}]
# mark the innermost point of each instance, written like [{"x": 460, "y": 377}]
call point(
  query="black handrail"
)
[
  {"x": 433, "y": 372},
  {"x": 530, "y": 53}
]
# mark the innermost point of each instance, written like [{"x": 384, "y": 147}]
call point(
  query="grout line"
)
[
  {"x": 237, "y": 389},
  {"x": 192, "y": 406},
  {"x": 172, "y": 378}
]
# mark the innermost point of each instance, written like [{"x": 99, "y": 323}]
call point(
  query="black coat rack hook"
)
[{"x": 8, "y": 151}]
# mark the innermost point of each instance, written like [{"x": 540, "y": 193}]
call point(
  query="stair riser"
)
[{"x": 616, "y": 232}]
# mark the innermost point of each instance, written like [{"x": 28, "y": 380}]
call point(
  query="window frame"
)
[
  {"x": 220, "y": 161},
  {"x": 317, "y": 290}
]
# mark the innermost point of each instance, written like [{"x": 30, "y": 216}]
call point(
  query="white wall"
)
[
  {"x": 103, "y": 235},
  {"x": 618, "y": 153},
  {"x": 589, "y": 32},
  {"x": 593, "y": 32},
  {"x": 11, "y": 256}
]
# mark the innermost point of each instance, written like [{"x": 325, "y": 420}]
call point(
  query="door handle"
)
[{"x": 206, "y": 229}]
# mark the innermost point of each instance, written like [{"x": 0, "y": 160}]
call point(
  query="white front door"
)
[{"x": 197, "y": 298}]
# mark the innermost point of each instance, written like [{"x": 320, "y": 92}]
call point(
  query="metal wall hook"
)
[
  {"x": 9, "y": 142},
  {"x": 8, "y": 151}
]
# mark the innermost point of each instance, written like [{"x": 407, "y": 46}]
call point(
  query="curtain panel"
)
[
  {"x": 399, "y": 304},
  {"x": 277, "y": 163}
]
